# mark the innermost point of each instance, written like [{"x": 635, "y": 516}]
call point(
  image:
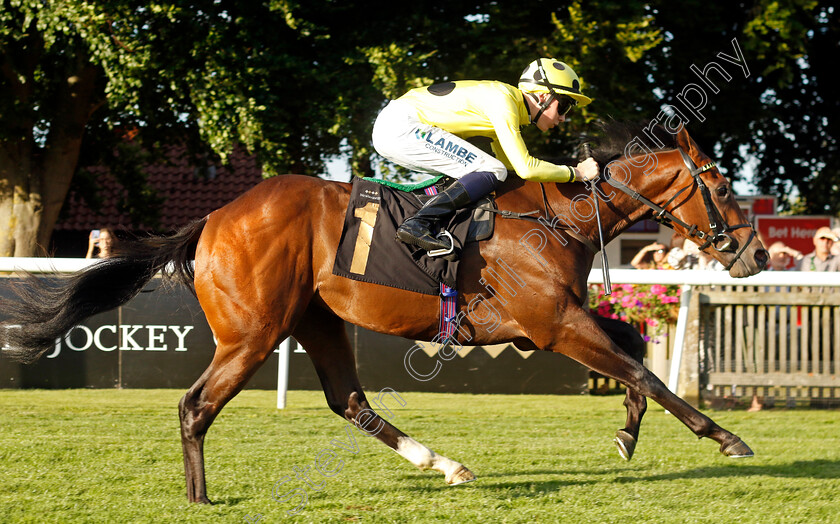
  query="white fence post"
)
[
  {"x": 283, "y": 372},
  {"x": 679, "y": 338}
]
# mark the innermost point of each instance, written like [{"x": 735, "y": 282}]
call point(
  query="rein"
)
[
  {"x": 719, "y": 229},
  {"x": 528, "y": 216},
  {"x": 718, "y": 235}
]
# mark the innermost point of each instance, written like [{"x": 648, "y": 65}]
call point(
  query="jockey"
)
[{"x": 426, "y": 130}]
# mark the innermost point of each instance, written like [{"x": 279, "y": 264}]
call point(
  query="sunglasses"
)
[{"x": 565, "y": 104}]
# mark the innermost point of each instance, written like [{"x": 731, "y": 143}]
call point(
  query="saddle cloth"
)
[{"x": 369, "y": 251}]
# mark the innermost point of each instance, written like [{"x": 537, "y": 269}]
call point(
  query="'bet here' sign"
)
[{"x": 795, "y": 231}]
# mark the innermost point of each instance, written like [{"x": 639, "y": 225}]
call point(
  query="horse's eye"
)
[{"x": 722, "y": 191}]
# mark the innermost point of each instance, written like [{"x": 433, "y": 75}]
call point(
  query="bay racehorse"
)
[{"x": 263, "y": 272}]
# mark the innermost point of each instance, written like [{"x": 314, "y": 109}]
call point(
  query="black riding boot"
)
[{"x": 417, "y": 230}]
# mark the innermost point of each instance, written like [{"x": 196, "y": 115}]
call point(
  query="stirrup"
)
[{"x": 443, "y": 252}]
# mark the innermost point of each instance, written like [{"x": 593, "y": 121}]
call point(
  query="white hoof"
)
[{"x": 461, "y": 476}]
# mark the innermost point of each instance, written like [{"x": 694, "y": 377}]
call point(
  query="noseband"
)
[{"x": 718, "y": 235}]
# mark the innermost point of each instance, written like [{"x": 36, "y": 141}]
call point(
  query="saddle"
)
[{"x": 369, "y": 252}]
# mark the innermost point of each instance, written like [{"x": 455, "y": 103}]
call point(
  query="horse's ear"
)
[
  {"x": 683, "y": 139},
  {"x": 687, "y": 143}
]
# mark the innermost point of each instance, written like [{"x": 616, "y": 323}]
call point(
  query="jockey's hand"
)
[{"x": 588, "y": 169}]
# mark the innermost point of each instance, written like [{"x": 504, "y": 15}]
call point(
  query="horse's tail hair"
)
[{"x": 44, "y": 310}]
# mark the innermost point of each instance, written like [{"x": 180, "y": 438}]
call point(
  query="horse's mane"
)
[{"x": 614, "y": 135}]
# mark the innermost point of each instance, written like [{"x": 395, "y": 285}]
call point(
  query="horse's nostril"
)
[{"x": 762, "y": 257}]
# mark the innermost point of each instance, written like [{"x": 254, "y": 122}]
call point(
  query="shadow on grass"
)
[
  {"x": 567, "y": 471},
  {"x": 815, "y": 469},
  {"x": 229, "y": 501},
  {"x": 419, "y": 482}
]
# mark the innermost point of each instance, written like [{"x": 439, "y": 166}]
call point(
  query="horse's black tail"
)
[{"x": 43, "y": 311}]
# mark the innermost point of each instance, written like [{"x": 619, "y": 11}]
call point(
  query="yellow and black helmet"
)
[{"x": 547, "y": 75}]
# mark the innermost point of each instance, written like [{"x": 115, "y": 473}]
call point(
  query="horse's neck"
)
[
  {"x": 570, "y": 205},
  {"x": 622, "y": 210},
  {"x": 573, "y": 205},
  {"x": 619, "y": 211}
]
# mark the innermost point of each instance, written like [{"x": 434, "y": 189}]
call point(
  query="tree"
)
[
  {"x": 44, "y": 106},
  {"x": 798, "y": 132},
  {"x": 292, "y": 82},
  {"x": 780, "y": 123},
  {"x": 111, "y": 81},
  {"x": 80, "y": 77}
]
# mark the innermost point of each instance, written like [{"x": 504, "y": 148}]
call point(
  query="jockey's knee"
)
[
  {"x": 496, "y": 168},
  {"x": 479, "y": 183},
  {"x": 500, "y": 174}
]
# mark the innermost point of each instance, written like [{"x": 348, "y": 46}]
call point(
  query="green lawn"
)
[{"x": 115, "y": 456}]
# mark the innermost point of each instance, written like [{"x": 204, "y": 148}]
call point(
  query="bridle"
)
[{"x": 718, "y": 235}]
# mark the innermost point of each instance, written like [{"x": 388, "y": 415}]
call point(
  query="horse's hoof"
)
[
  {"x": 461, "y": 476},
  {"x": 737, "y": 450},
  {"x": 626, "y": 444}
]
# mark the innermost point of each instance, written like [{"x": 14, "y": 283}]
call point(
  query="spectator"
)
[
  {"x": 683, "y": 254},
  {"x": 707, "y": 263},
  {"x": 821, "y": 259},
  {"x": 835, "y": 250},
  {"x": 652, "y": 256},
  {"x": 782, "y": 258},
  {"x": 102, "y": 241}
]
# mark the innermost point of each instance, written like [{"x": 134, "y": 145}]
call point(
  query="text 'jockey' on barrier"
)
[{"x": 122, "y": 337}]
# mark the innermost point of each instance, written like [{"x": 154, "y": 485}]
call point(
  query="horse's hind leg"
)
[
  {"x": 233, "y": 364},
  {"x": 631, "y": 342},
  {"x": 322, "y": 335}
]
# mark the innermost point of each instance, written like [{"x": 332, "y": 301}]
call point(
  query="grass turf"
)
[{"x": 115, "y": 456}]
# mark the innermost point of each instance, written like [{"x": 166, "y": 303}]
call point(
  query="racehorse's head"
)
[
  {"x": 683, "y": 188},
  {"x": 732, "y": 239}
]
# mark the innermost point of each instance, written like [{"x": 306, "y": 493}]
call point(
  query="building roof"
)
[{"x": 189, "y": 192}]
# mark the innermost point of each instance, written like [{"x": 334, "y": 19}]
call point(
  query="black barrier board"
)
[
  {"x": 161, "y": 339},
  {"x": 381, "y": 360}
]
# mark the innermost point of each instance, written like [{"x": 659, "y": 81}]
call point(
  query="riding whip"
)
[{"x": 605, "y": 266}]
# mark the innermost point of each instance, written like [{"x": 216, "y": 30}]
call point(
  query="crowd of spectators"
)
[{"x": 685, "y": 255}]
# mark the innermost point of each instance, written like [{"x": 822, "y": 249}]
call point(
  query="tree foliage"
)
[
  {"x": 778, "y": 127},
  {"x": 299, "y": 83}
]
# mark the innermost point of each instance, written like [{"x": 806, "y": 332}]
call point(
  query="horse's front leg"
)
[
  {"x": 631, "y": 342},
  {"x": 580, "y": 338}
]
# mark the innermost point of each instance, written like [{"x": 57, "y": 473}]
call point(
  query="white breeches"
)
[{"x": 402, "y": 138}]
